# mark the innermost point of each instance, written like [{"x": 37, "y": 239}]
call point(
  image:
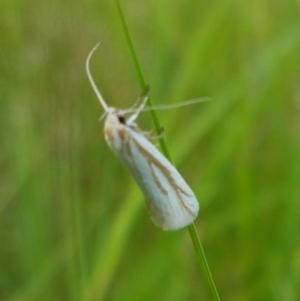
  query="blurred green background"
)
[{"x": 73, "y": 225}]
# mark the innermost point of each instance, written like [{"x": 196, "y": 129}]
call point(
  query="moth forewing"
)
[{"x": 171, "y": 202}]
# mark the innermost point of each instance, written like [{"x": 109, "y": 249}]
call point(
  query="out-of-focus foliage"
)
[{"x": 73, "y": 225}]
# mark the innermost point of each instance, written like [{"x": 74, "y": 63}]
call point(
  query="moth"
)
[{"x": 171, "y": 202}]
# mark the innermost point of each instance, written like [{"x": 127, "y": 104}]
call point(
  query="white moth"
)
[{"x": 171, "y": 202}]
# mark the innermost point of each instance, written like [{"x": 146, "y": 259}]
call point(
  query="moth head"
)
[{"x": 115, "y": 118}]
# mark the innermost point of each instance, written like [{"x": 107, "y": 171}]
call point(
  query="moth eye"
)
[{"x": 121, "y": 119}]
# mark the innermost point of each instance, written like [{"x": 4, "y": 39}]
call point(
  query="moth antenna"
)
[
  {"x": 177, "y": 105},
  {"x": 169, "y": 106},
  {"x": 91, "y": 80}
]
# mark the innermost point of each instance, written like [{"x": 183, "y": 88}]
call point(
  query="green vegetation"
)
[{"x": 73, "y": 225}]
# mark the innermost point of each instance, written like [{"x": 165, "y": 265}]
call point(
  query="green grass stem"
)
[{"x": 204, "y": 267}]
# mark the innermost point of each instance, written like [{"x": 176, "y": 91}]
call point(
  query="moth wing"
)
[{"x": 171, "y": 202}]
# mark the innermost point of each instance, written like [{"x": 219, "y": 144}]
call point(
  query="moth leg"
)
[
  {"x": 140, "y": 99},
  {"x": 139, "y": 106},
  {"x": 153, "y": 135}
]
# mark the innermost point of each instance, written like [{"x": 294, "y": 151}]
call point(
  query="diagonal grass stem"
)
[{"x": 204, "y": 267}]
